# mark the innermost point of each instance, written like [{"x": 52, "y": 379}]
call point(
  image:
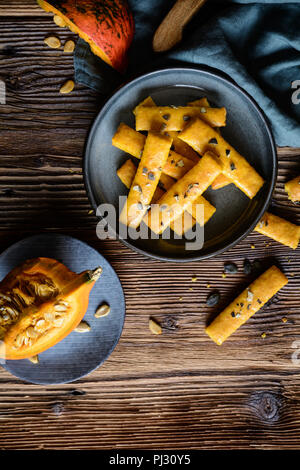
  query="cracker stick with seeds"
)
[
  {"x": 246, "y": 304},
  {"x": 132, "y": 142},
  {"x": 126, "y": 174},
  {"x": 155, "y": 154},
  {"x": 279, "y": 229},
  {"x": 292, "y": 187},
  {"x": 168, "y": 118},
  {"x": 202, "y": 137},
  {"x": 183, "y": 193}
]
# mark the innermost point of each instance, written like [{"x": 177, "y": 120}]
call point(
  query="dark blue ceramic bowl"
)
[{"x": 247, "y": 130}]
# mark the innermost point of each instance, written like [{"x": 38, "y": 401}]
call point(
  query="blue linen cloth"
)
[{"x": 255, "y": 43}]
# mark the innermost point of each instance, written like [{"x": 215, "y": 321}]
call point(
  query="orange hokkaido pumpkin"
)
[
  {"x": 107, "y": 25},
  {"x": 41, "y": 302}
]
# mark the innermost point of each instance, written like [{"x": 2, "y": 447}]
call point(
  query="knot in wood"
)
[
  {"x": 58, "y": 409},
  {"x": 267, "y": 405}
]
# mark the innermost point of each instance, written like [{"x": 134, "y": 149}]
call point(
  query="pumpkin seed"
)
[
  {"x": 69, "y": 46},
  {"x": 102, "y": 311},
  {"x": 40, "y": 324},
  {"x": 59, "y": 21},
  {"x": 34, "y": 359},
  {"x": 250, "y": 295},
  {"x": 213, "y": 299},
  {"x": 83, "y": 327},
  {"x": 58, "y": 321},
  {"x": 49, "y": 317},
  {"x": 60, "y": 308},
  {"x": 247, "y": 267},
  {"x": 31, "y": 332},
  {"x": 19, "y": 340},
  {"x": 53, "y": 42},
  {"x": 180, "y": 163},
  {"x": 67, "y": 87},
  {"x": 230, "y": 268},
  {"x": 154, "y": 327}
]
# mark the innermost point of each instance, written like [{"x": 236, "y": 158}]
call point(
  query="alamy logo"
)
[
  {"x": 2, "y": 92},
  {"x": 296, "y": 93}
]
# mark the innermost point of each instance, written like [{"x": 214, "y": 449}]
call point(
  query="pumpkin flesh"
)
[
  {"x": 106, "y": 25},
  {"x": 41, "y": 302}
]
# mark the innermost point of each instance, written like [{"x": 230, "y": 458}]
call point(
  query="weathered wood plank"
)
[{"x": 20, "y": 8}]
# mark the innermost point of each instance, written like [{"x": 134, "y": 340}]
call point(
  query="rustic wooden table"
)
[{"x": 177, "y": 390}]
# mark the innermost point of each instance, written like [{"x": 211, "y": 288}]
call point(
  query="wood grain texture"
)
[{"x": 174, "y": 391}]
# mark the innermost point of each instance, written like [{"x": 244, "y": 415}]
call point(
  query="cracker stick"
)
[
  {"x": 183, "y": 193},
  {"x": 246, "y": 304},
  {"x": 132, "y": 142},
  {"x": 220, "y": 182},
  {"x": 155, "y": 154},
  {"x": 292, "y": 187},
  {"x": 279, "y": 229},
  {"x": 202, "y": 137},
  {"x": 127, "y": 172},
  {"x": 168, "y": 118}
]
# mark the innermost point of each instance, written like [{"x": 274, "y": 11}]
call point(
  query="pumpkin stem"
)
[{"x": 93, "y": 275}]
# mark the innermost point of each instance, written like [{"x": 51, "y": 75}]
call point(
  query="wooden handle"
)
[{"x": 170, "y": 30}]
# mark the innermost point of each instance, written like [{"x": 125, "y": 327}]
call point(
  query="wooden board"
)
[{"x": 174, "y": 391}]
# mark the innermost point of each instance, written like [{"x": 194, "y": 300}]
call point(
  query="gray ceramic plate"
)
[
  {"x": 247, "y": 130},
  {"x": 78, "y": 353}
]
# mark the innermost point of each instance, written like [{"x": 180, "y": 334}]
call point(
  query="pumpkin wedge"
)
[
  {"x": 106, "y": 25},
  {"x": 41, "y": 302}
]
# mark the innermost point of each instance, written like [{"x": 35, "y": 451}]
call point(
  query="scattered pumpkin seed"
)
[
  {"x": 83, "y": 327},
  {"x": 67, "y": 87},
  {"x": 253, "y": 247},
  {"x": 194, "y": 278},
  {"x": 213, "y": 299},
  {"x": 154, "y": 327},
  {"x": 230, "y": 268},
  {"x": 284, "y": 319},
  {"x": 263, "y": 335},
  {"x": 58, "y": 20},
  {"x": 53, "y": 42},
  {"x": 102, "y": 311},
  {"x": 180, "y": 163},
  {"x": 203, "y": 110},
  {"x": 69, "y": 46},
  {"x": 34, "y": 359}
]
